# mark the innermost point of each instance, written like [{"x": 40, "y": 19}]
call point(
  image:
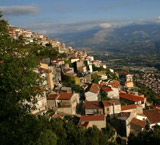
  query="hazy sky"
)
[{"x": 42, "y": 15}]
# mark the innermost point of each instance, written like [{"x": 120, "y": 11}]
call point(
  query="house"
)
[
  {"x": 74, "y": 59},
  {"x": 133, "y": 99},
  {"x": 112, "y": 108},
  {"x": 137, "y": 109},
  {"x": 153, "y": 117},
  {"x": 96, "y": 63},
  {"x": 67, "y": 103},
  {"x": 90, "y": 58},
  {"x": 68, "y": 71},
  {"x": 123, "y": 123},
  {"x": 137, "y": 126},
  {"x": 86, "y": 78},
  {"x": 64, "y": 103},
  {"x": 93, "y": 107},
  {"x": 41, "y": 105},
  {"x": 82, "y": 69},
  {"x": 94, "y": 120},
  {"x": 130, "y": 120},
  {"x": 114, "y": 84},
  {"x": 92, "y": 94},
  {"x": 58, "y": 62},
  {"x": 129, "y": 81},
  {"x": 79, "y": 63},
  {"x": 52, "y": 101},
  {"x": 57, "y": 76},
  {"x": 113, "y": 93}
]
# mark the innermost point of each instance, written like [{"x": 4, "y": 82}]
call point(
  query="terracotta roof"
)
[
  {"x": 38, "y": 90},
  {"x": 101, "y": 85},
  {"x": 110, "y": 102},
  {"x": 92, "y": 118},
  {"x": 156, "y": 107},
  {"x": 46, "y": 70},
  {"x": 107, "y": 89},
  {"x": 65, "y": 96},
  {"x": 52, "y": 96},
  {"x": 93, "y": 105},
  {"x": 84, "y": 124},
  {"x": 74, "y": 57},
  {"x": 94, "y": 88},
  {"x": 152, "y": 115},
  {"x": 138, "y": 122},
  {"x": 128, "y": 107},
  {"x": 114, "y": 84},
  {"x": 131, "y": 97}
]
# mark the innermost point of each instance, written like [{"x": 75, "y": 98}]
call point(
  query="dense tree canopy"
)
[{"x": 146, "y": 137}]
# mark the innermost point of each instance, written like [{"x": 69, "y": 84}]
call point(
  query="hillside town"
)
[
  {"x": 151, "y": 80},
  {"x": 78, "y": 85}
]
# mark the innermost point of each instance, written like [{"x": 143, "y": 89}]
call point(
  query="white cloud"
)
[
  {"x": 69, "y": 27},
  {"x": 106, "y": 25},
  {"x": 18, "y": 10}
]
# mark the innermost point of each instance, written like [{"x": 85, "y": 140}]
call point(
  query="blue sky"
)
[{"x": 44, "y": 15}]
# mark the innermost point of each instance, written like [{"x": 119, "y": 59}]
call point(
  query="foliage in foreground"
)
[
  {"x": 151, "y": 137},
  {"x": 20, "y": 83}
]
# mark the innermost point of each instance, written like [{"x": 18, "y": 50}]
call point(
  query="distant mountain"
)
[{"x": 130, "y": 39}]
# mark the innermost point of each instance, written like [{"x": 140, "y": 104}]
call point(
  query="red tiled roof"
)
[
  {"x": 101, "y": 85},
  {"x": 107, "y": 89},
  {"x": 128, "y": 107},
  {"x": 156, "y": 107},
  {"x": 114, "y": 84},
  {"x": 84, "y": 124},
  {"x": 152, "y": 115},
  {"x": 46, "y": 70},
  {"x": 38, "y": 90},
  {"x": 138, "y": 122},
  {"x": 93, "y": 105},
  {"x": 65, "y": 96},
  {"x": 52, "y": 96},
  {"x": 131, "y": 97},
  {"x": 110, "y": 102},
  {"x": 92, "y": 118},
  {"x": 74, "y": 57},
  {"x": 94, "y": 88}
]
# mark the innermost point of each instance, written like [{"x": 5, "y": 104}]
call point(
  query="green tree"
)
[
  {"x": 95, "y": 78},
  {"x": 146, "y": 137},
  {"x": 47, "y": 138},
  {"x": 103, "y": 95}
]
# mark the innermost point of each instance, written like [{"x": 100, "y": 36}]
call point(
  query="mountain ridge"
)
[{"x": 133, "y": 38}]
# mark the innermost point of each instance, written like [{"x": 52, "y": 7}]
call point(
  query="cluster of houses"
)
[
  {"x": 151, "y": 80},
  {"x": 30, "y": 37},
  {"x": 125, "y": 111}
]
